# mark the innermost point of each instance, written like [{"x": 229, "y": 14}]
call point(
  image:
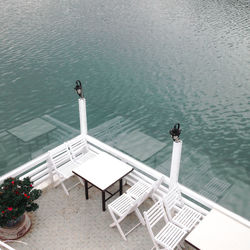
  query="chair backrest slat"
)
[
  {"x": 60, "y": 155},
  {"x": 142, "y": 198},
  {"x": 173, "y": 198},
  {"x": 155, "y": 214},
  {"x": 169, "y": 235},
  {"x": 157, "y": 183},
  {"x": 61, "y": 160},
  {"x": 152, "y": 217},
  {"x": 78, "y": 146},
  {"x": 170, "y": 199}
]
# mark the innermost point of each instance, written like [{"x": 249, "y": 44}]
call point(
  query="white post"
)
[
  {"x": 83, "y": 116},
  {"x": 175, "y": 162}
]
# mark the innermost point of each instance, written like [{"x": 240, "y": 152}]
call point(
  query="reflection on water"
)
[
  {"x": 153, "y": 63},
  {"x": 31, "y": 139}
]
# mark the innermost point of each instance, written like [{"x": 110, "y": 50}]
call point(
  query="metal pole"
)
[{"x": 83, "y": 116}]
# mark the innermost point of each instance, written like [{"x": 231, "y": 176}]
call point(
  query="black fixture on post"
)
[
  {"x": 175, "y": 132},
  {"x": 78, "y": 89}
]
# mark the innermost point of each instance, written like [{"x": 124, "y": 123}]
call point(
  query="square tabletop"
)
[
  {"x": 218, "y": 231},
  {"x": 32, "y": 129},
  {"x": 103, "y": 170}
]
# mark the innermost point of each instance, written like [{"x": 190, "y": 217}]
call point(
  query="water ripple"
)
[{"x": 153, "y": 62}]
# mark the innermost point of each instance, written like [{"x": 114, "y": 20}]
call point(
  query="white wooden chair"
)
[
  {"x": 123, "y": 206},
  {"x": 62, "y": 163},
  {"x": 79, "y": 149},
  {"x": 178, "y": 213},
  {"x": 169, "y": 236},
  {"x": 141, "y": 187}
]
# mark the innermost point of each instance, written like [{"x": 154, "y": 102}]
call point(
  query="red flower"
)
[
  {"x": 25, "y": 195},
  {"x": 3, "y": 212},
  {"x": 10, "y": 208},
  {"x": 28, "y": 196},
  {"x": 13, "y": 182},
  {"x": 31, "y": 185}
]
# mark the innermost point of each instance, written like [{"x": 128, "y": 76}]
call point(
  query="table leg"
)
[
  {"x": 86, "y": 190},
  {"x": 121, "y": 187},
  {"x": 103, "y": 201}
]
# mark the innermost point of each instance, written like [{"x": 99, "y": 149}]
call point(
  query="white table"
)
[
  {"x": 218, "y": 231},
  {"x": 102, "y": 172}
]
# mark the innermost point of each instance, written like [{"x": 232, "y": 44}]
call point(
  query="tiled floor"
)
[{"x": 72, "y": 222}]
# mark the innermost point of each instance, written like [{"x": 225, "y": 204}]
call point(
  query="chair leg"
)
[
  {"x": 112, "y": 224},
  {"x": 178, "y": 247},
  {"x": 81, "y": 181},
  {"x": 121, "y": 232},
  {"x": 116, "y": 223},
  {"x": 156, "y": 247},
  {"x": 64, "y": 188},
  {"x": 182, "y": 244},
  {"x": 153, "y": 198},
  {"x": 137, "y": 212}
]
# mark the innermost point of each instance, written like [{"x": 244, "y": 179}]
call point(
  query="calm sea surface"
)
[{"x": 149, "y": 63}]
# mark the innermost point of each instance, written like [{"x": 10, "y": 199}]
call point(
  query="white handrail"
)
[
  {"x": 41, "y": 174},
  {"x": 154, "y": 173},
  {"x": 25, "y": 167}
]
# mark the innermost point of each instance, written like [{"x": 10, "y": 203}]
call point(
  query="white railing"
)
[
  {"x": 37, "y": 169},
  {"x": 40, "y": 172},
  {"x": 147, "y": 171}
]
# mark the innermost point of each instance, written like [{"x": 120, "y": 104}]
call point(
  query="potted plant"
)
[{"x": 16, "y": 197}]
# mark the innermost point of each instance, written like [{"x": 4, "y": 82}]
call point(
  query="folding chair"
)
[
  {"x": 123, "y": 206},
  {"x": 141, "y": 187},
  {"x": 178, "y": 213},
  {"x": 62, "y": 163},
  {"x": 79, "y": 149},
  {"x": 169, "y": 236}
]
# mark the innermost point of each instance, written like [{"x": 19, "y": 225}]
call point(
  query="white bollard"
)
[
  {"x": 83, "y": 116},
  {"x": 175, "y": 163}
]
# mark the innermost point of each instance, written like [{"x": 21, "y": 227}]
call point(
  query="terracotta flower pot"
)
[{"x": 16, "y": 228}]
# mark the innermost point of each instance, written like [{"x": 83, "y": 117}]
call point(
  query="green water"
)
[{"x": 152, "y": 63}]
